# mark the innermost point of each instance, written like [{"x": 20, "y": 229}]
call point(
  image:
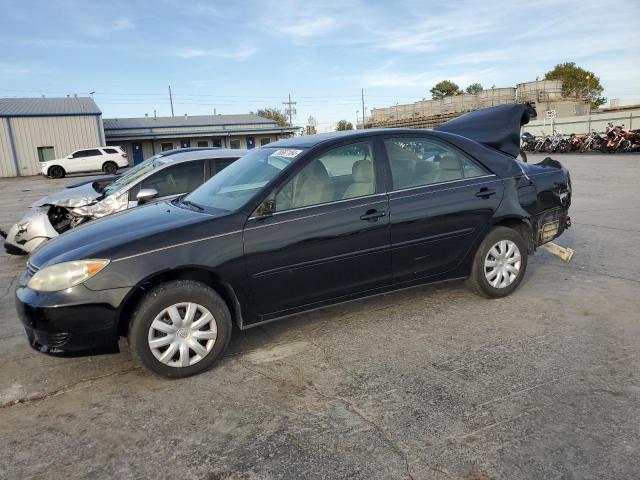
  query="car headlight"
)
[{"x": 65, "y": 275}]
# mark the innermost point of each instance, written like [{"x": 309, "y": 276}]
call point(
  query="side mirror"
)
[
  {"x": 265, "y": 209},
  {"x": 145, "y": 195},
  {"x": 70, "y": 156}
]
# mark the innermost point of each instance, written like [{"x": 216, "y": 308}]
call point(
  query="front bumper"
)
[
  {"x": 30, "y": 232},
  {"x": 75, "y": 321},
  {"x": 18, "y": 241}
]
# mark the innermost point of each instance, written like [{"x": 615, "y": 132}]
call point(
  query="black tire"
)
[
  {"x": 478, "y": 280},
  {"x": 56, "y": 172},
  {"x": 110, "y": 168},
  {"x": 166, "y": 295}
]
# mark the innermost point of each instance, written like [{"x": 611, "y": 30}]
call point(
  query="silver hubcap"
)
[
  {"x": 182, "y": 334},
  {"x": 502, "y": 264}
]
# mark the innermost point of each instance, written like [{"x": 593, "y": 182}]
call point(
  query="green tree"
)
[
  {"x": 445, "y": 88},
  {"x": 578, "y": 83},
  {"x": 273, "y": 114},
  {"x": 344, "y": 125},
  {"x": 474, "y": 88}
]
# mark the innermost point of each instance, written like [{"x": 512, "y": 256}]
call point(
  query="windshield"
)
[
  {"x": 134, "y": 173},
  {"x": 235, "y": 185}
]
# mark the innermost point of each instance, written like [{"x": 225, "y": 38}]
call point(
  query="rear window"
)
[{"x": 109, "y": 150}]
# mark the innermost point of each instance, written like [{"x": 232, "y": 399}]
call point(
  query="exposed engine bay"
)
[{"x": 55, "y": 214}]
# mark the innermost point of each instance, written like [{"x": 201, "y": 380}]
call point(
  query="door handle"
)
[
  {"x": 372, "y": 215},
  {"x": 485, "y": 192}
]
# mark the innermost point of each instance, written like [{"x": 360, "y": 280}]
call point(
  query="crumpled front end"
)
[
  {"x": 45, "y": 221},
  {"x": 31, "y": 231},
  {"x": 107, "y": 206}
]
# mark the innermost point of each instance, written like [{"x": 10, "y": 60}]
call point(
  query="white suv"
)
[{"x": 105, "y": 159}]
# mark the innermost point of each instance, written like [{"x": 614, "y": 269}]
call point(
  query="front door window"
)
[{"x": 342, "y": 173}]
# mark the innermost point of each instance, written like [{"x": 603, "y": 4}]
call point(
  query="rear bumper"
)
[
  {"x": 76, "y": 321},
  {"x": 550, "y": 224}
]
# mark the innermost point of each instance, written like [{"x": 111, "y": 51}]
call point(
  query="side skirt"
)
[{"x": 343, "y": 300}]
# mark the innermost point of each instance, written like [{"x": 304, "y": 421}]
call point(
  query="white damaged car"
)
[{"x": 168, "y": 174}]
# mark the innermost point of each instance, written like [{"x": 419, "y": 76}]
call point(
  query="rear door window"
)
[
  {"x": 219, "y": 164},
  {"x": 417, "y": 162}
]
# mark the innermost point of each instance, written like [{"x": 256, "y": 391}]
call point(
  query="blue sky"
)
[{"x": 237, "y": 56}]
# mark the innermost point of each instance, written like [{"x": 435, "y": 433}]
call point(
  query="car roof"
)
[
  {"x": 309, "y": 141},
  {"x": 202, "y": 153}
]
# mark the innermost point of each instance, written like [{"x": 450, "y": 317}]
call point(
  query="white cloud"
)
[
  {"x": 239, "y": 54},
  {"x": 103, "y": 28},
  {"x": 16, "y": 69},
  {"x": 310, "y": 27}
]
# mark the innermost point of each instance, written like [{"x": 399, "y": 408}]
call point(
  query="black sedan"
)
[{"x": 296, "y": 225}]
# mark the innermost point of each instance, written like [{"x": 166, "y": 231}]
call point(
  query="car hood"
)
[
  {"x": 70, "y": 197},
  {"x": 123, "y": 234},
  {"x": 497, "y": 127}
]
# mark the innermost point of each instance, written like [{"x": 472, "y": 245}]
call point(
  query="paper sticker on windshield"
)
[{"x": 286, "y": 153}]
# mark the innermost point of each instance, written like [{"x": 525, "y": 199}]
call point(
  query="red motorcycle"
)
[{"x": 615, "y": 138}]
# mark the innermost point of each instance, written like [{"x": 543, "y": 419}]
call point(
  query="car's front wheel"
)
[
  {"x": 180, "y": 328},
  {"x": 499, "y": 264}
]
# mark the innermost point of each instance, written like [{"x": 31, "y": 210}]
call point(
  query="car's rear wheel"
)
[
  {"x": 499, "y": 264},
  {"x": 56, "y": 172},
  {"x": 110, "y": 168},
  {"x": 180, "y": 328}
]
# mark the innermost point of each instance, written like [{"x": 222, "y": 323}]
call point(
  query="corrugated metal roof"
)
[
  {"x": 48, "y": 106},
  {"x": 185, "y": 121}
]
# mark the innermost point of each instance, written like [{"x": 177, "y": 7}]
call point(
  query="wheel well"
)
[
  {"x": 523, "y": 227},
  {"x": 108, "y": 162},
  {"x": 55, "y": 166},
  {"x": 202, "y": 275}
]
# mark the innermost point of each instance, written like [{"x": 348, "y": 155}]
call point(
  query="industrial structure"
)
[
  {"x": 33, "y": 130},
  {"x": 146, "y": 136},
  {"x": 544, "y": 95}
]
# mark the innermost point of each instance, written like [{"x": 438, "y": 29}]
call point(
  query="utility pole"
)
[
  {"x": 363, "y": 125},
  {"x": 290, "y": 110},
  {"x": 171, "y": 100}
]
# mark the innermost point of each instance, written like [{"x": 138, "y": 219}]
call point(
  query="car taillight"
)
[{"x": 124, "y": 155}]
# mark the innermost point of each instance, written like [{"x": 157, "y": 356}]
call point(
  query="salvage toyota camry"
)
[{"x": 296, "y": 225}]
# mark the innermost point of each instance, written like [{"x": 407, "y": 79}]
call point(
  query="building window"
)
[
  {"x": 166, "y": 146},
  {"x": 264, "y": 141},
  {"x": 185, "y": 143},
  {"x": 234, "y": 143},
  {"x": 216, "y": 142},
  {"x": 203, "y": 143},
  {"x": 46, "y": 153}
]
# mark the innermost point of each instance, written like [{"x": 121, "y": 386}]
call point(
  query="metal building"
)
[
  {"x": 38, "y": 129},
  {"x": 146, "y": 136}
]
